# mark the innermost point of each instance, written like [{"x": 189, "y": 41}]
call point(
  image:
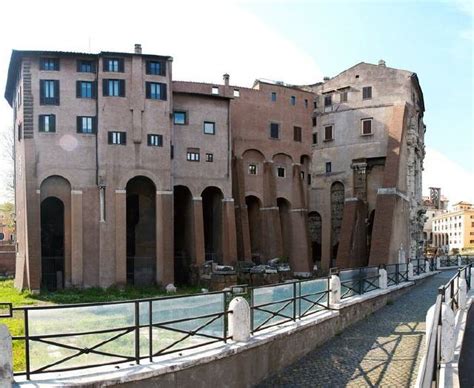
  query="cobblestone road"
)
[{"x": 383, "y": 350}]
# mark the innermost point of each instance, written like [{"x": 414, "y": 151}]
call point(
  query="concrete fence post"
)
[
  {"x": 459, "y": 261},
  {"x": 239, "y": 319},
  {"x": 462, "y": 294},
  {"x": 335, "y": 294},
  {"x": 383, "y": 281},
  {"x": 410, "y": 271},
  {"x": 438, "y": 262},
  {"x": 6, "y": 357},
  {"x": 429, "y": 322},
  {"x": 447, "y": 333},
  {"x": 427, "y": 266}
]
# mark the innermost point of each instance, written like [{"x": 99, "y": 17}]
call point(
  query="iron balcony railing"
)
[
  {"x": 78, "y": 336},
  {"x": 273, "y": 305}
]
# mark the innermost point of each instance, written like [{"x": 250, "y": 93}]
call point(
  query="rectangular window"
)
[
  {"x": 236, "y": 93},
  {"x": 297, "y": 133},
  {"x": 274, "y": 130},
  {"x": 49, "y": 92},
  {"x": 209, "y": 128},
  {"x": 315, "y": 121},
  {"x": 327, "y": 100},
  {"x": 49, "y": 64},
  {"x": 215, "y": 90},
  {"x": 309, "y": 179},
  {"x": 293, "y": 100},
  {"x": 192, "y": 154},
  {"x": 315, "y": 138},
  {"x": 281, "y": 172},
  {"x": 274, "y": 96},
  {"x": 209, "y": 158},
  {"x": 119, "y": 138},
  {"x": 155, "y": 91},
  {"x": 328, "y": 135},
  {"x": 155, "y": 140},
  {"x": 302, "y": 175},
  {"x": 315, "y": 104},
  {"x": 328, "y": 167},
  {"x": 155, "y": 68},
  {"x": 305, "y": 103},
  {"x": 85, "y": 89},
  {"x": 252, "y": 169},
  {"x": 86, "y": 124},
  {"x": 367, "y": 92},
  {"x": 367, "y": 127},
  {"x": 343, "y": 96},
  {"x": 47, "y": 123},
  {"x": 113, "y": 88},
  {"x": 113, "y": 65},
  {"x": 85, "y": 66},
  {"x": 180, "y": 118}
]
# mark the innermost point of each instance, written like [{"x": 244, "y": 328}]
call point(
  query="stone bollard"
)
[
  {"x": 410, "y": 271},
  {"x": 383, "y": 281},
  {"x": 429, "y": 322},
  {"x": 335, "y": 294},
  {"x": 6, "y": 357},
  {"x": 239, "y": 319},
  {"x": 427, "y": 266},
  {"x": 459, "y": 261},
  {"x": 447, "y": 333},
  {"x": 438, "y": 262},
  {"x": 462, "y": 294}
]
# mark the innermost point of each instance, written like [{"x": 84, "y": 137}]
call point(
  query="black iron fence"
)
[
  {"x": 419, "y": 266},
  {"x": 273, "y": 305},
  {"x": 78, "y": 336},
  {"x": 358, "y": 281},
  {"x": 450, "y": 294}
]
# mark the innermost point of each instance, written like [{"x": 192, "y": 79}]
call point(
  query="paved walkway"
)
[{"x": 383, "y": 350}]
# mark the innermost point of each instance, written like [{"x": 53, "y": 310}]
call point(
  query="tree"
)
[
  {"x": 7, "y": 158},
  {"x": 7, "y": 209}
]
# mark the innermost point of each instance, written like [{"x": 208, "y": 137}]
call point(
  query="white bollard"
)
[
  {"x": 427, "y": 266},
  {"x": 438, "y": 262},
  {"x": 447, "y": 333},
  {"x": 410, "y": 271},
  {"x": 462, "y": 294},
  {"x": 459, "y": 261},
  {"x": 383, "y": 281},
  {"x": 239, "y": 319},
  {"x": 6, "y": 357},
  {"x": 429, "y": 322},
  {"x": 335, "y": 294}
]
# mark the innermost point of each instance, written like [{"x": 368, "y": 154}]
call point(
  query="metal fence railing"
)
[
  {"x": 449, "y": 293},
  {"x": 78, "y": 336},
  {"x": 273, "y": 305},
  {"x": 358, "y": 281},
  {"x": 419, "y": 266}
]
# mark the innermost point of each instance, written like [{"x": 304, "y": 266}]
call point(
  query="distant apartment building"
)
[
  {"x": 434, "y": 205},
  {"x": 454, "y": 230},
  {"x": 367, "y": 161},
  {"x": 124, "y": 175}
]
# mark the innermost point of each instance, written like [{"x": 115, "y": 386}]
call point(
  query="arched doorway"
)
[
  {"x": 315, "y": 231},
  {"x": 212, "y": 217},
  {"x": 284, "y": 211},
  {"x": 52, "y": 244},
  {"x": 255, "y": 226},
  {"x": 337, "y": 208},
  {"x": 183, "y": 234},
  {"x": 141, "y": 231}
]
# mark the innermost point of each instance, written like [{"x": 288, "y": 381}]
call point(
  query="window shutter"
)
[
  {"x": 93, "y": 67},
  {"x": 124, "y": 138},
  {"x": 160, "y": 141},
  {"x": 163, "y": 68},
  {"x": 120, "y": 65},
  {"x": 122, "y": 88},
  {"x": 56, "y": 92},
  {"x": 52, "y": 122},
  {"x": 147, "y": 67},
  {"x": 41, "y": 123},
  {"x": 79, "y": 124},
  {"x": 105, "y": 64},
  {"x": 94, "y": 89},
  {"x": 78, "y": 89},
  {"x": 57, "y": 64},
  {"x": 104, "y": 88},
  {"x": 147, "y": 89},
  {"x": 41, "y": 91},
  {"x": 94, "y": 124},
  {"x": 163, "y": 92}
]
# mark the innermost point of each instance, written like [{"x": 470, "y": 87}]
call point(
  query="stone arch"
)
[
  {"x": 55, "y": 226},
  {"x": 141, "y": 230},
  {"x": 337, "y": 208},
  {"x": 315, "y": 234},
  {"x": 183, "y": 233},
  {"x": 212, "y": 210},
  {"x": 128, "y": 176}
]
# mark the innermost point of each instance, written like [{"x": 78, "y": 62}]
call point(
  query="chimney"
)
[
  {"x": 226, "y": 79},
  {"x": 382, "y": 63},
  {"x": 138, "y": 48}
]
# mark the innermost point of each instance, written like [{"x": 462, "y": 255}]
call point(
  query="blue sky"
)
[
  {"x": 293, "y": 41},
  {"x": 433, "y": 39}
]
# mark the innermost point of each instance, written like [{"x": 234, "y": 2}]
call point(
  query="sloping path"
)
[{"x": 383, "y": 350}]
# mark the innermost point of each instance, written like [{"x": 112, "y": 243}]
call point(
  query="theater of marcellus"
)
[{"x": 124, "y": 175}]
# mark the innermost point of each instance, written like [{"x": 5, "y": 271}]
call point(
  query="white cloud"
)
[
  {"x": 456, "y": 182},
  {"x": 206, "y": 39}
]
